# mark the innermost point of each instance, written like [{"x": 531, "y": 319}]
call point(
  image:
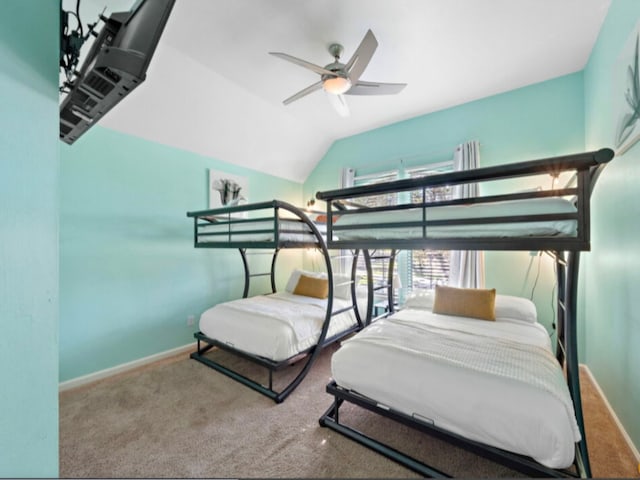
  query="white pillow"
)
[
  {"x": 342, "y": 286},
  {"x": 515, "y": 308},
  {"x": 507, "y": 307},
  {"x": 295, "y": 276},
  {"x": 420, "y": 299}
]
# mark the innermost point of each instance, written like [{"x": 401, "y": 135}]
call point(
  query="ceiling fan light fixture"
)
[{"x": 336, "y": 85}]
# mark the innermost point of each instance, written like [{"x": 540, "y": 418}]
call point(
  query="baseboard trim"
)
[
  {"x": 625, "y": 435},
  {"x": 124, "y": 367}
]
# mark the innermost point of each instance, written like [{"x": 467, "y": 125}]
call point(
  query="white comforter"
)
[
  {"x": 494, "y": 382},
  {"x": 276, "y": 326}
]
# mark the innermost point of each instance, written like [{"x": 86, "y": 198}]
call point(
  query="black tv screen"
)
[{"x": 115, "y": 65}]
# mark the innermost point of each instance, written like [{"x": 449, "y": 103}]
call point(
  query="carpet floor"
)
[{"x": 178, "y": 418}]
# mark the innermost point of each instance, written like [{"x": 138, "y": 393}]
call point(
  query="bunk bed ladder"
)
[
  {"x": 387, "y": 284},
  {"x": 354, "y": 295},
  {"x": 248, "y": 275},
  {"x": 354, "y": 255}
]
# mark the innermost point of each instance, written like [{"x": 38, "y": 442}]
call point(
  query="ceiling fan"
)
[{"x": 339, "y": 79}]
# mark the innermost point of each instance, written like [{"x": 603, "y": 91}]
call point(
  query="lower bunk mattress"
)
[
  {"x": 276, "y": 326},
  {"x": 496, "y": 382}
]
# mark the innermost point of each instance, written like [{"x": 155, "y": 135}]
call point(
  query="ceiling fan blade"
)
[
  {"x": 375, "y": 88},
  {"x": 339, "y": 103},
  {"x": 362, "y": 56},
  {"x": 303, "y": 63},
  {"x": 305, "y": 92}
]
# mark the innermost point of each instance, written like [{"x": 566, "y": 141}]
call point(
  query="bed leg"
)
[{"x": 332, "y": 412}]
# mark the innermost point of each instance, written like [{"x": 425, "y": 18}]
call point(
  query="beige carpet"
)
[{"x": 179, "y": 418}]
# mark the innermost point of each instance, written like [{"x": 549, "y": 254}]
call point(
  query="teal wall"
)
[
  {"x": 611, "y": 272},
  {"x": 129, "y": 275},
  {"x": 29, "y": 163},
  {"x": 537, "y": 121}
]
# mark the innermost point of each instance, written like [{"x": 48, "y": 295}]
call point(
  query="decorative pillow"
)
[
  {"x": 515, "y": 308},
  {"x": 295, "y": 276},
  {"x": 312, "y": 287},
  {"x": 465, "y": 302}
]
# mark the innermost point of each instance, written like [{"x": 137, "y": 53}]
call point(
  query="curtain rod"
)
[{"x": 402, "y": 158}]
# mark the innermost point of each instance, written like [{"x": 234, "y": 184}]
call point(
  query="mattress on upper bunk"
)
[
  {"x": 276, "y": 326},
  {"x": 471, "y": 212},
  {"x": 289, "y": 231},
  {"x": 496, "y": 382}
]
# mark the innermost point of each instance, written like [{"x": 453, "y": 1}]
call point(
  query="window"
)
[{"x": 423, "y": 269}]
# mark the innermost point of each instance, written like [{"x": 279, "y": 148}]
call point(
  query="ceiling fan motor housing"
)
[
  {"x": 335, "y": 49},
  {"x": 337, "y": 68}
]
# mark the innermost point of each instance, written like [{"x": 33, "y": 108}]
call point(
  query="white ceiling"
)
[{"x": 213, "y": 89}]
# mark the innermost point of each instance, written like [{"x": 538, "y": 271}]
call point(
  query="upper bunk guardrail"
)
[
  {"x": 586, "y": 167},
  {"x": 284, "y": 225}
]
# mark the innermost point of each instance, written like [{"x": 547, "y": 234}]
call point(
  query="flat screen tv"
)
[{"x": 115, "y": 65}]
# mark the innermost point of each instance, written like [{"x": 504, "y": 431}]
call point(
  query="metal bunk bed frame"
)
[
  {"x": 564, "y": 250},
  {"x": 225, "y": 218}
]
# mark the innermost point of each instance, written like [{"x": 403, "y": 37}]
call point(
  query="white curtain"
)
[{"x": 467, "y": 266}]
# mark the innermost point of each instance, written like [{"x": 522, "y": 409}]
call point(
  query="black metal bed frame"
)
[
  {"x": 564, "y": 250},
  {"x": 225, "y": 217}
]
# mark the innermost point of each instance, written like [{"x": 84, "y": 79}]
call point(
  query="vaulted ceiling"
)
[{"x": 212, "y": 88}]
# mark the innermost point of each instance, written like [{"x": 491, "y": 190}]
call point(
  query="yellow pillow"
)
[
  {"x": 312, "y": 287},
  {"x": 465, "y": 302}
]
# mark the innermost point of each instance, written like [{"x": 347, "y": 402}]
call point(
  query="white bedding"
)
[
  {"x": 298, "y": 232},
  {"x": 472, "y": 211},
  {"x": 276, "y": 326},
  {"x": 493, "y": 382}
]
